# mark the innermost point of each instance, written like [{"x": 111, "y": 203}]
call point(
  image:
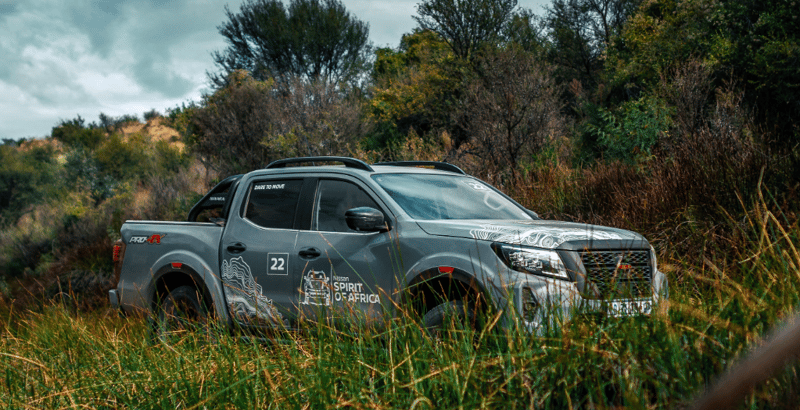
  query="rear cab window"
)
[{"x": 273, "y": 203}]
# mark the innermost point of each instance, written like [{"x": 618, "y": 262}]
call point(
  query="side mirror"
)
[{"x": 365, "y": 219}]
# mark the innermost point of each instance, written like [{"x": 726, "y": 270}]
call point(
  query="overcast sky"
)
[{"x": 63, "y": 58}]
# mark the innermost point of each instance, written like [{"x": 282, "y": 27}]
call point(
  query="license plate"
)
[{"x": 630, "y": 308}]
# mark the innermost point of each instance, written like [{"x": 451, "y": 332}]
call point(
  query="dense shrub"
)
[
  {"x": 151, "y": 115},
  {"x": 112, "y": 124},
  {"x": 124, "y": 158},
  {"x": 511, "y": 111},
  {"x": 698, "y": 177},
  {"x": 629, "y": 132},
  {"x": 415, "y": 87},
  {"x": 83, "y": 172},
  {"x": 26, "y": 177},
  {"x": 22, "y": 247},
  {"x": 75, "y": 133},
  {"x": 249, "y": 123}
]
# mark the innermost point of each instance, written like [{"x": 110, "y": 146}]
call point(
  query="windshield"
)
[{"x": 431, "y": 197}]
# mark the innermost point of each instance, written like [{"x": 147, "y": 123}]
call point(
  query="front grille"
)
[{"x": 617, "y": 274}]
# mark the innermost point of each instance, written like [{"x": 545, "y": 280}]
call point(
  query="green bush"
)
[
  {"x": 629, "y": 132},
  {"x": 26, "y": 177},
  {"x": 169, "y": 159},
  {"x": 83, "y": 172},
  {"x": 75, "y": 133},
  {"x": 123, "y": 159}
]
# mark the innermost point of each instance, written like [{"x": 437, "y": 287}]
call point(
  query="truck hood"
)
[{"x": 538, "y": 233}]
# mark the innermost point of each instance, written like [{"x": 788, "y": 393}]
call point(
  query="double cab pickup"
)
[{"x": 341, "y": 239}]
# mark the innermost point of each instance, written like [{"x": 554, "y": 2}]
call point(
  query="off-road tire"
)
[
  {"x": 182, "y": 311},
  {"x": 448, "y": 316}
]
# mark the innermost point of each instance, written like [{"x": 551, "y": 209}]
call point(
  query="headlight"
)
[{"x": 531, "y": 260}]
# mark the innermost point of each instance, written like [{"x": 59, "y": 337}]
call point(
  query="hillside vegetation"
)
[{"x": 674, "y": 118}]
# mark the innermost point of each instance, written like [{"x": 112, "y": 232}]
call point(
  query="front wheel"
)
[
  {"x": 448, "y": 316},
  {"x": 181, "y": 311}
]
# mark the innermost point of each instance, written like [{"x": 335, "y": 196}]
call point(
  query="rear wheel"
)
[{"x": 183, "y": 310}]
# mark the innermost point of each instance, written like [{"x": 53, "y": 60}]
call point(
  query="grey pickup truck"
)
[{"x": 364, "y": 242}]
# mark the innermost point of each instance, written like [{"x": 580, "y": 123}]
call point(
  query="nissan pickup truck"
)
[{"x": 340, "y": 239}]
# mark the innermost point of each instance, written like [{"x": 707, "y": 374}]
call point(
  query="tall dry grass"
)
[{"x": 56, "y": 358}]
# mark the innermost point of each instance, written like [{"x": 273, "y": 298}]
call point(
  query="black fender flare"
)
[
  {"x": 185, "y": 271},
  {"x": 467, "y": 282}
]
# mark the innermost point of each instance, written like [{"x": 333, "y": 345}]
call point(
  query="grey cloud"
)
[
  {"x": 154, "y": 75},
  {"x": 108, "y": 56},
  {"x": 162, "y": 36},
  {"x": 7, "y": 8},
  {"x": 154, "y": 34},
  {"x": 99, "y": 20},
  {"x": 32, "y": 62}
]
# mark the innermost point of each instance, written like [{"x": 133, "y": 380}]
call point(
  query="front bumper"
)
[{"x": 541, "y": 302}]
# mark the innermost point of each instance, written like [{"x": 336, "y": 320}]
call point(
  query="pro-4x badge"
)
[{"x": 152, "y": 239}]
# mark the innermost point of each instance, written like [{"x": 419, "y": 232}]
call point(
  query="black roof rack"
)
[
  {"x": 348, "y": 162},
  {"x": 442, "y": 166}
]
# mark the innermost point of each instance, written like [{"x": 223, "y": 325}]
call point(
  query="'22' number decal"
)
[{"x": 277, "y": 264}]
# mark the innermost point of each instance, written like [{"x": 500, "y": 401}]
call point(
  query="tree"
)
[
  {"x": 249, "y": 123},
  {"x": 465, "y": 24},
  {"x": 755, "y": 43},
  {"x": 415, "y": 88},
  {"x": 310, "y": 39},
  {"x": 527, "y": 30},
  {"x": 581, "y": 31},
  {"x": 511, "y": 110}
]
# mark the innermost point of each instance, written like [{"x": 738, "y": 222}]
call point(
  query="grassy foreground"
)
[{"x": 56, "y": 358}]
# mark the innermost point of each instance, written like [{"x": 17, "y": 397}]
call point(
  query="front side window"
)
[
  {"x": 334, "y": 198},
  {"x": 273, "y": 203},
  {"x": 434, "y": 196}
]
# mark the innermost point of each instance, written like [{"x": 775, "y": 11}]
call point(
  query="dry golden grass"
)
[{"x": 156, "y": 130}]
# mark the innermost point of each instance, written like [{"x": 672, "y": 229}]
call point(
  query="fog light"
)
[{"x": 529, "y": 305}]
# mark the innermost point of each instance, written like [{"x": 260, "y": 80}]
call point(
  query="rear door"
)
[
  {"x": 259, "y": 265},
  {"x": 345, "y": 274}
]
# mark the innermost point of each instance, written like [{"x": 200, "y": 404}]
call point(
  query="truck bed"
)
[{"x": 155, "y": 246}]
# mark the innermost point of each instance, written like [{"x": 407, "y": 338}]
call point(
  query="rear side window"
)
[{"x": 273, "y": 203}]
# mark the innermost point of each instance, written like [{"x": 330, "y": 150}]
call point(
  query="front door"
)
[
  {"x": 259, "y": 267},
  {"x": 345, "y": 274}
]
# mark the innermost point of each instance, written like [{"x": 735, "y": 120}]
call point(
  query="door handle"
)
[
  {"x": 309, "y": 253},
  {"x": 237, "y": 247}
]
